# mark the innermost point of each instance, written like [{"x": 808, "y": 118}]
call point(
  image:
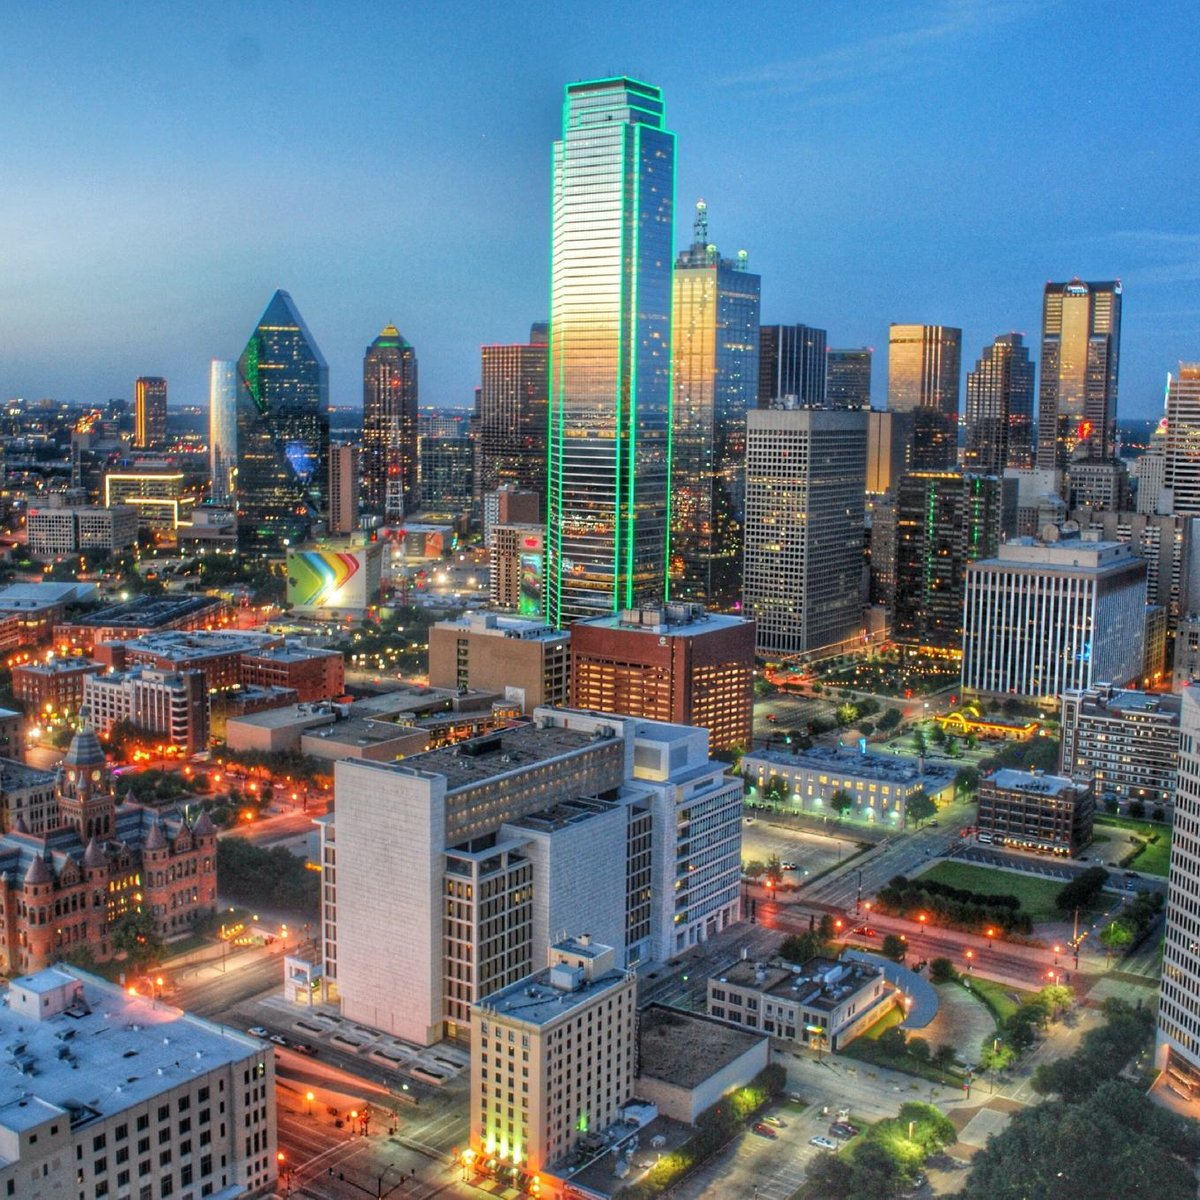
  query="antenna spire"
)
[{"x": 700, "y": 228}]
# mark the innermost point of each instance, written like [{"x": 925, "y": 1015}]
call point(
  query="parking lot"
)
[{"x": 811, "y": 852}]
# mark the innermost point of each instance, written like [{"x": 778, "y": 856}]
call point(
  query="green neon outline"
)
[
  {"x": 666, "y": 576},
  {"x": 631, "y": 450}
]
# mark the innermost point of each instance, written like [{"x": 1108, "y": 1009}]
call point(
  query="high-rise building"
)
[
  {"x": 924, "y": 375},
  {"x": 446, "y": 458},
  {"x": 1077, "y": 394},
  {"x": 848, "y": 378},
  {"x": 1182, "y": 472},
  {"x": 1177, "y": 1048},
  {"x": 944, "y": 520},
  {"x": 608, "y": 509},
  {"x": 512, "y": 417},
  {"x": 282, "y": 430},
  {"x": 222, "y": 428},
  {"x": 716, "y": 376},
  {"x": 792, "y": 364},
  {"x": 1042, "y": 618},
  {"x": 344, "y": 487},
  {"x": 517, "y": 561},
  {"x": 805, "y": 486},
  {"x": 1000, "y": 408},
  {"x": 390, "y": 471},
  {"x": 150, "y": 413},
  {"x": 669, "y": 663}
]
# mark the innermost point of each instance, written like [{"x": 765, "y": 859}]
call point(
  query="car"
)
[
  {"x": 278, "y": 1039},
  {"x": 789, "y": 866},
  {"x": 764, "y": 1130},
  {"x": 776, "y": 1121},
  {"x": 305, "y": 1048},
  {"x": 864, "y": 931},
  {"x": 772, "y": 718},
  {"x": 1132, "y": 875},
  {"x": 933, "y": 824},
  {"x": 795, "y": 1097},
  {"x": 749, "y": 820},
  {"x": 257, "y": 1031},
  {"x": 844, "y": 1130},
  {"x": 823, "y": 1142}
]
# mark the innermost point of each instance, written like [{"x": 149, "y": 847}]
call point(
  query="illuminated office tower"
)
[
  {"x": 150, "y": 413},
  {"x": 512, "y": 417},
  {"x": 222, "y": 428},
  {"x": 344, "y": 487},
  {"x": 848, "y": 378},
  {"x": 608, "y": 501},
  {"x": 282, "y": 430},
  {"x": 1000, "y": 408},
  {"x": 791, "y": 367},
  {"x": 716, "y": 376},
  {"x": 924, "y": 369},
  {"x": 1077, "y": 395},
  {"x": 1182, "y": 470},
  {"x": 389, "y": 457}
]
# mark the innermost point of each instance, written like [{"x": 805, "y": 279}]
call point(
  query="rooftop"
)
[
  {"x": 15, "y": 776},
  {"x": 683, "y": 1049},
  {"x": 489, "y": 624},
  {"x": 103, "y": 1053},
  {"x": 59, "y": 666},
  {"x": 1079, "y": 555},
  {"x": 1126, "y": 702},
  {"x": 820, "y": 983},
  {"x": 534, "y": 1000},
  {"x": 1036, "y": 782},
  {"x": 147, "y": 612},
  {"x": 199, "y": 643},
  {"x": 32, "y": 596},
  {"x": 883, "y": 768},
  {"x": 674, "y": 620}
]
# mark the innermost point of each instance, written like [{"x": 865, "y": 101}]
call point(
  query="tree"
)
[
  {"x": 798, "y": 948},
  {"x": 938, "y": 734},
  {"x": 846, "y": 715},
  {"x": 944, "y": 1055},
  {"x": 825, "y": 927},
  {"x": 966, "y": 781},
  {"x": 892, "y": 1041},
  {"x": 918, "y": 1047},
  {"x": 1159, "y": 813},
  {"x": 831, "y": 1177},
  {"x": 774, "y": 868},
  {"x": 775, "y": 789},
  {"x": 136, "y": 936},
  {"x": 918, "y": 807},
  {"x": 1137, "y": 809},
  {"x": 894, "y": 948},
  {"x": 1114, "y": 937},
  {"x": 920, "y": 745},
  {"x": 996, "y": 1055},
  {"x": 1082, "y": 890},
  {"x": 951, "y": 746},
  {"x": 888, "y": 720},
  {"x": 841, "y": 802},
  {"x": 941, "y": 970},
  {"x": 1111, "y": 806},
  {"x": 932, "y": 1130}
]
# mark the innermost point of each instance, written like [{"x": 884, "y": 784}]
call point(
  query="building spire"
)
[{"x": 700, "y": 227}]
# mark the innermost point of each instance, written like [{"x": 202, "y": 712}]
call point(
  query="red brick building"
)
[
  {"x": 673, "y": 662},
  {"x": 57, "y": 684},
  {"x": 315, "y": 674}
]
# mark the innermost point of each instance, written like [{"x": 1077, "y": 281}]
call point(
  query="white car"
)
[{"x": 823, "y": 1142}]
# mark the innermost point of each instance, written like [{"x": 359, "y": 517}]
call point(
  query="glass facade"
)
[
  {"x": 389, "y": 459},
  {"x": 222, "y": 428},
  {"x": 1000, "y": 408},
  {"x": 849, "y": 378},
  {"x": 609, "y": 464},
  {"x": 282, "y": 430},
  {"x": 447, "y": 460},
  {"x": 716, "y": 377},
  {"x": 150, "y": 413},
  {"x": 512, "y": 417},
  {"x": 924, "y": 375},
  {"x": 792, "y": 367}
]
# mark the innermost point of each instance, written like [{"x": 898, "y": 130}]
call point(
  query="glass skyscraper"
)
[
  {"x": 222, "y": 428},
  {"x": 150, "y": 412},
  {"x": 390, "y": 481},
  {"x": 609, "y": 463},
  {"x": 792, "y": 367},
  {"x": 1000, "y": 408},
  {"x": 512, "y": 416},
  {"x": 282, "y": 430},
  {"x": 716, "y": 378},
  {"x": 924, "y": 376}
]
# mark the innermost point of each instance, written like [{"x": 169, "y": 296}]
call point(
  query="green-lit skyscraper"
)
[
  {"x": 608, "y": 503},
  {"x": 282, "y": 430}
]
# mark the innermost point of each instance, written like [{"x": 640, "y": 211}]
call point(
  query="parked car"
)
[
  {"x": 257, "y": 1031},
  {"x": 278, "y": 1039},
  {"x": 823, "y": 1142},
  {"x": 305, "y": 1048},
  {"x": 776, "y": 1121},
  {"x": 795, "y": 1097},
  {"x": 789, "y": 866},
  {"x": 764, "y": 1130}
]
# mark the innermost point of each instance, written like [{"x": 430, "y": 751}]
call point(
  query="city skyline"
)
[{"x": 184, "y": 257}]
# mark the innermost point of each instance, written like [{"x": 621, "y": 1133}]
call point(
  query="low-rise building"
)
[
  {"x": 216, "y": 652},
  {"x": 962, "y": 723},
  {"x": 552, "y": 1057},
  {"x": 824, "y": 1004},
  {"x": 157, "y": 492},
  {"x": 108, "y": 1093},
  {"x": 54, "y": 686},
  {"x": 878, "y": 785},
  {"x": 1030, "y": 810},
  {"x": 173, "y": 704},
  {"x": 1124, "y": 743},
  {"x": 315, "y": 673},
  {"x": 27, "y": 798},
  {"x": 56, "y": 529},
  {"x": 30, "y": 611},
  {"x": 138, "y": 617}
]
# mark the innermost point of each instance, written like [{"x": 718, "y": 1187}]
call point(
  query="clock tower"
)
[{"x": 85, "y": 799}]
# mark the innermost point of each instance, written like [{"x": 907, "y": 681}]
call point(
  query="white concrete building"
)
[
  {"x": 173, "y": 704},
  {"x": 1182, "y": 468},
  {"x": 57, "y": 528},
  {"x": 1047, "y": 617},
  {"x": 104, "y": 1094},
  {"x": 488, "y": 850}
]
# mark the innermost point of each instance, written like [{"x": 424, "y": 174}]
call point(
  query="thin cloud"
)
[{"x": 1159, "y": 256}]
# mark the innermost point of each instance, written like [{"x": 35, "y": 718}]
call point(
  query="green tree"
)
[
  {"x": 918, "y": 807},
  {"x": 944, "y": 1055},
  {"x": 938, "y": 734},
  {"x": 136, "y": 936},
  {"x": 941, "y": 970},
  {"x": 1114, "y": 937},
  {"x": 894, "y": 947},
  {"x": 918, "y": 1047},
  {"x": 920, "y": 745},
  {"x": 841, "y": 802},
  {"x": 892, "y": 1041},
  {"x": 825, "y": 927},
  {"x": 775, "y": 789},
  {"x": 774, "y": 868},
  {"x": 889, "y": 719},
  {"x": 846, "y": 715},
  {"x": 1137, "y": 810},
  {"x": 966, "y": 781}
]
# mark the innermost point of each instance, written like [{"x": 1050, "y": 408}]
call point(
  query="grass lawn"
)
[
  {"x": 998, "y": 997},
  {"x": 1155, "y": 857},
  {"x": 866, "y": 1048},
  {"x": 1036, "y": 895}
]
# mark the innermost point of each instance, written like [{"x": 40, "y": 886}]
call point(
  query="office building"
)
[
  {"x": 608, "y": 510},
  {"x": 1030, "y": 810},
  {"x": 792, "y": 365},
  {"x": 514, "y": 383},
  {"x": 1182, "y": 450},
  {"x": 389, "y": 455},
  {"x": 493, "y": 846},
  {"x": 218, "y": 653},
  {"x": 924, "y": 376},
  {"x": 337, "y": 578},
  {"x": 1177, "y": 1047},
  {"x": 517, "y": 557},
  {"x": 805, "y": 477},
  {"x": 889, "y": 449},
  {"x": 999, "y": 409},
  {"x": 1077, "y": 393},
  {"x": 672, "y": 662},
  {"x": 94, "y": 861},
  {"x": 716, "y": 377},
  {"x": 212, "y": 531},
  {"x": 169, "y": 705},
  {"x": 158, "y": 493},
  {"x": 1148, "y": 473},
  {"x": 1125, "y": 743},
  {"x": 879, "y": 785},
  {"x": 822, "y": 1003},
  {"x": 1042, "y": 618},
  {"x": 345, "y": 487},
  {"x": 1097, "y": 483},
  {"x": 312, "y": 672},
  {"x": 523, "y": 661},
  {"x": 848, "y": 378},
  {"x": 222, "y": 428},
  {"x": 30, "y": 611},
  {"x": 552, "y": 1059},
  {"x": 446, "y": 459},
  {"x": 150, "y": 413},
  {"x": 58, "y": 528},
  {"x": 282, "y": 431},
  {"x": 112, "y": 1092},
  {"x": 509, "y": 505},
  {"x": 944, "y": 520}
]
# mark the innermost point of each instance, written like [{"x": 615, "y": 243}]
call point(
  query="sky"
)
[{"x": 165, "y": 167}]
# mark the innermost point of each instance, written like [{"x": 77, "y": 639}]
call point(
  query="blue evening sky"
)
[{"x": 165, "y": 166}]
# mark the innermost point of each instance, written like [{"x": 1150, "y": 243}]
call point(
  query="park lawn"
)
[
  {"x": 866, "y": 1048},
  {"x": 1155, "y": 857},
  {"x": 1036, "y": 895},
  {"x": 998, "y": 997}
]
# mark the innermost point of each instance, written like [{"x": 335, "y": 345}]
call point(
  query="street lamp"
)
[
  {"x": 970, "y": 959},
  {"x": 308, "y": 1099},
  {"x": 991, "y": 933},
  {"x": 1057, "y": 952}
]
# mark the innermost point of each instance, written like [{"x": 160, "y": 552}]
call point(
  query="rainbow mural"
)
[{"x": 326, "y": 579}]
